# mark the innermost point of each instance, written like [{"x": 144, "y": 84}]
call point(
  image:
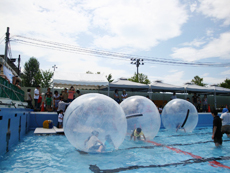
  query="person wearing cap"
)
[
  {"x": 137, "y": 133},
  {"x": 124, "y": 95},
  {"x": 225, "y": 118},
  {"x": 93, "y": 144}
]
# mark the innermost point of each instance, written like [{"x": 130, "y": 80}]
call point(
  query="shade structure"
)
[
  {"x": 190, "y": 87},
  {"x": 79, "y": 80},
  {"x": 220, "y": 90},
  {"x": 164, "y": 87},
  {"x": 124, "y": 83}
]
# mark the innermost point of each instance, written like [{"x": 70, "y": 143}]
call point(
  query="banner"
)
[{"x": 8, "y": 73}]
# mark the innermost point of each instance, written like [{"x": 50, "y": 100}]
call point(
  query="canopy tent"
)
[
  {"x": 123, "y": 83},
  {"x": 79, "y": 80},
  {"x": 164, "y": 87},
  {"x": 190, "y": 87},
  {"x": 219, "y": 90}
]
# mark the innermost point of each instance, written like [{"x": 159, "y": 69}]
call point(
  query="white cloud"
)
[
  {"x": 218, "y": 47},
  {"x": 209, "y": 32},
  {"x": 193, "y": 6},
  {"x": 218, "y": 9},
  {"x": 212, "y": 80},
  {"x": 205, "y": 74},
  {"x": 226, "y": 72},
  {"x": 140, "y": 25},
  {"x": 50, "y": 20},
  {"x": 195, "y": 42}
]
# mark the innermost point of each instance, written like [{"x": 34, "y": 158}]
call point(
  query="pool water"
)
[{"x": 170, "y": 152}]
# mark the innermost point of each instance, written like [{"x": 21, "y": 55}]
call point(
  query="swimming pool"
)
[{"x": 169, "y": 152}]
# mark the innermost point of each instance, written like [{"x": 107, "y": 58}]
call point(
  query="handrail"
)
[{"x": 1, "y": 103}]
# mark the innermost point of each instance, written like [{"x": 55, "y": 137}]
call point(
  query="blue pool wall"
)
[
  {"x": 18, "y": 126},
  {"x": 29, "y": 120}
]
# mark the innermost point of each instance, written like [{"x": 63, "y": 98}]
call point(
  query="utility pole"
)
[
  {"x": 19, "y": 60},
  {"x": 6, "y": 45},
  {"x": 137, "y": 62}
]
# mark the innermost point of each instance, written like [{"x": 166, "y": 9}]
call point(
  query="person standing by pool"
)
[
  {"x": 71, "y": 94},
  {"x": 60, "y": 119},
  {"x": 173, "y": 96},
  {"x": 124, "y": 95},
  {"x": 48, "y": 93},
  {"x": 62, "y": 105},
  {"x": 216, "y": 133},
  {"x": 137, "y": 133},
  {"x": 29, "y": 99},
  {"x": 78, "y": 93},
  {"x": 225, "y": 117},
  {"x": 36, "y": 97},
  {"x": 116, "y": 96},
  {"x": 65, "y": 95},
  {"x": 205, "y": 104},
  {"x": 56, "y": 99},
  {"x": 48, "y": 102},
  {"x": 194, "y": 100}
]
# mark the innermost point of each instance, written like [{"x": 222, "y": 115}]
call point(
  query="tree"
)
[
  {"x": 225, "y": 84},
  {"x": 198, "y": 81},
  {"x": 46, "y": 77},
  {"x": 109, "y": 78},
  {"x": 89, "y": 72},
  {"x": 31, "y": 73},
  {"x": 141, "y": 78}
]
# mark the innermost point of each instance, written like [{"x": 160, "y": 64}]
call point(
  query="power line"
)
[{"x": 107, "y": 54}]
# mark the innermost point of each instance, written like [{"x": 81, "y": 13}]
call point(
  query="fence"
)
[{"x": 8, "y": 90}]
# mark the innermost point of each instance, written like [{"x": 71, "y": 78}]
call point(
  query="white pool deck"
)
[{"x": 40, "y": 130}]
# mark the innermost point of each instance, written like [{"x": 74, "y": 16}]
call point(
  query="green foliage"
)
[
  {"x": 109, "y": 78},
  {"x": 46, "y": 77},
  {"x": 33, "y": 76},
  {"x": 31, "y": 73},
  {"x": 225, "y": 84},
  {"x": 141, "y": 78},
  {"x": 198, "y": 81}
]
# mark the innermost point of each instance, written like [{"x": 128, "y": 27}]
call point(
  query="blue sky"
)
[{"x": 184, "y": 30}]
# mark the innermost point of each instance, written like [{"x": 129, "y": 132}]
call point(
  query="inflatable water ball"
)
[
  {"x": 179, "y": 115},
  {"x": 149, "y": 122},
  {"x": 95, "y": 123}
]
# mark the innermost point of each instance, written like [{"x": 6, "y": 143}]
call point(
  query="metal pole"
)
[
  {"x": 19, "y": 60},
  {"x": 6, "y": 45},
  {"x": 215, "y": 98},
  {"x": 54, "y": 67}
]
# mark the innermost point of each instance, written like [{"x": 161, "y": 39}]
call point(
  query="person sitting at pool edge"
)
[
  {"x": 216, "y": 134},
  {"x": 93, "y": 144},
  {"x": 137, "y": 134}
]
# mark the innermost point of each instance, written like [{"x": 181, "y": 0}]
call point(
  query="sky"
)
[{"x": 194, "y": 31}]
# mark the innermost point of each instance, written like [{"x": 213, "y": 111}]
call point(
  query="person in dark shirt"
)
[
  {"x": 194, "y": 100},
  {"x": 217, "y": 124}
]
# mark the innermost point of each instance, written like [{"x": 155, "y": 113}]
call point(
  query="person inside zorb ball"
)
[
  {"x": 95, "y": 123},
  {"x": 179, "y": 115},
  {"x": 141, "y": 113}
]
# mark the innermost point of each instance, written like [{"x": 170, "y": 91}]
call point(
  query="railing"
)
[{"x": 8, "y": 90}]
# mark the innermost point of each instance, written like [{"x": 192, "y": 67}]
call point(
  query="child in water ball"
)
[
  {"x": 137, "y": 134},
  {"x": 108, "y": 145},
  {"x": 93, "y": 144}
]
